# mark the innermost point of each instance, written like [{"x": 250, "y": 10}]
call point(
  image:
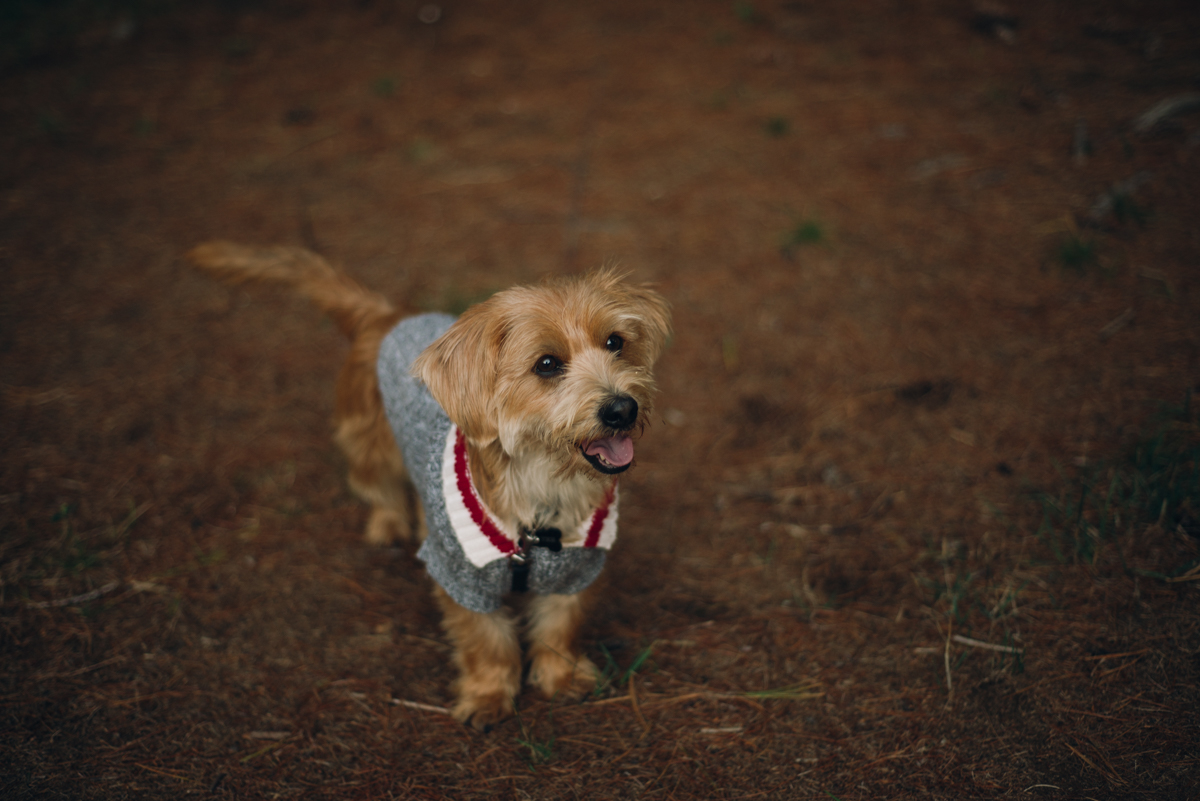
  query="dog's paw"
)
[
  {"x": 556, "y": 675},
  {"x": 482, "y": 712}
]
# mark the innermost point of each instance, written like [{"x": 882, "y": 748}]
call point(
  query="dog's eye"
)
[
  {"x": 548, "y": 366},
  {"x": 614, "y": 343}
]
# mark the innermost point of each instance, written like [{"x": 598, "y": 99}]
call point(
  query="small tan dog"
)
[{"x": 513, "y": 421}]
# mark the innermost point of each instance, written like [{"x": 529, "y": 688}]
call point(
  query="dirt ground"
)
[{"x": 905, "y": 323}]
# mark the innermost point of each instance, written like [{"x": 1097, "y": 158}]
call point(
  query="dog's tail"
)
[{"x": 350, "y": 305}]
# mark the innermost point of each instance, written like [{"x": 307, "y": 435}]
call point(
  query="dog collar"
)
[{"x": 485, "y": 539}]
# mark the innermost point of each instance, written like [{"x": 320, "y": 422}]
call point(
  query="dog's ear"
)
[
  {"x": 654, "y": 317},
  {"x": 460, "y": 371}
]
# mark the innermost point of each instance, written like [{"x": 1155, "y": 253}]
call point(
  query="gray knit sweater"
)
[{"x": 465, "y": 553}]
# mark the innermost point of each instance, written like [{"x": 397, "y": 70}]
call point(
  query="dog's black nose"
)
[{"x": 619, "y": 412}]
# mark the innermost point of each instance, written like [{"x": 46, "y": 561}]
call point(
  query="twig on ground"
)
[
  {"x": 1069, "y": 711},
  {"x": 1108, "y": 774},
  {"x": 1119, "y": 322},
  {"x": 161, "y": 772},
  {"x": 798, "y": 693},
  {"x": 633, "y": 699},
  {"x": 972, "y": 643},
  {"x": 132, "y": 518},
  {"x": 1105, "y": 673},
  {"x": 76, "y": 599},
  {"x": 1191, "y": 575},
  {"x": 1164, "y": 109},
  {"x": 661, "y": 700},
  {"x": 1048, "y": 681},
  {"x": 261, "y": 751},
  {"x": 886, "y": 757},
  {"x": 441, "y": 710},
  {"x": 722, "y": 730},
  {"x": 82, "y": 670},
  {"x": 1100, "y": 657}
]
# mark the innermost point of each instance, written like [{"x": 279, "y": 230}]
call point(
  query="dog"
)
[{"x": 495, "y": 441}]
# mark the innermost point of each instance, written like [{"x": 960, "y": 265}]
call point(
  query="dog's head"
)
[{"x": 564, "y": 368}]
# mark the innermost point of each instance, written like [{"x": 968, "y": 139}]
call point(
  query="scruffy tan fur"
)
[{"x": 526, "y": 434}]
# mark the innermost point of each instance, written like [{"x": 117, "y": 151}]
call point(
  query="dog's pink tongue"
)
[{"x": 617, "y": 451}]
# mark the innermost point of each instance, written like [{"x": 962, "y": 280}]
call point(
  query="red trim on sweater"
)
[
  {"x": 462, "y": 475},
  {"x": 593, "y": 535}
]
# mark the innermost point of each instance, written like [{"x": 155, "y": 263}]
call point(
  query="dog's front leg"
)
[
  {"x": 556, "y": 665},
  {"x": 489, "y": 662}
]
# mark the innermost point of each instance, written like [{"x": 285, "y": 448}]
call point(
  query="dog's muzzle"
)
[{"x": 613, "y": 454}]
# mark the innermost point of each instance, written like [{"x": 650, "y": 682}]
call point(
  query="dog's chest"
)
[{"x": 537, "y": 495}]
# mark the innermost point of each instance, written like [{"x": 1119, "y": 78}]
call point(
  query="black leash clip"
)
[{"x": 548, "y": 538}]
